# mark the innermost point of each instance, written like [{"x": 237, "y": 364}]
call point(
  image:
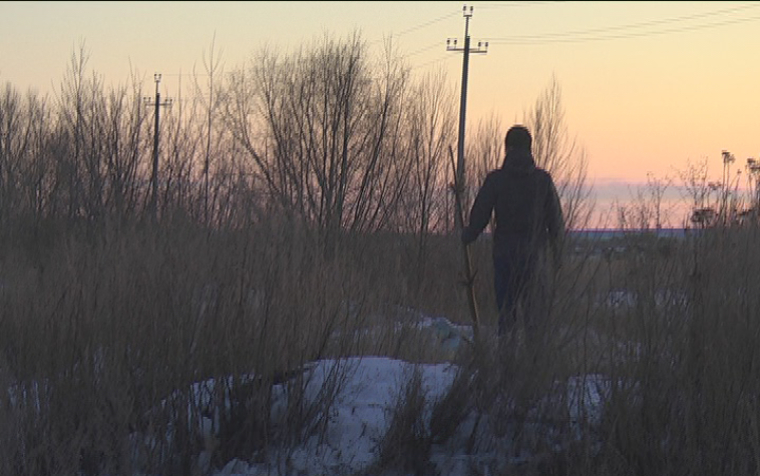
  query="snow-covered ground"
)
[{"x": 363, "y": 411}]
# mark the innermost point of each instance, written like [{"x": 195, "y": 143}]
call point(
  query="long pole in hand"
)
[{"x": 469, "y": 278}]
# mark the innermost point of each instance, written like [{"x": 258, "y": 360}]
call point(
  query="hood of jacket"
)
[{"x": 519, "y": 162}]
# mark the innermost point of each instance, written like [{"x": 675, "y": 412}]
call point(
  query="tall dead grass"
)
[
  {"x": 662, "y": 334},
  {"x": 109, "y": 336}
]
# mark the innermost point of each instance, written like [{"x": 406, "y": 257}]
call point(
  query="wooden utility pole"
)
[
  {"x": 153, "y": 204},
  {"x": 482, "y": 48},
  {"x": 459, "y": 184}
]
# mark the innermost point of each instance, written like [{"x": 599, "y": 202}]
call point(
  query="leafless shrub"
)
[
  {"x": 560, "y": 154},
  {"x": 406, "y": 444},
  {"x": 450, "y": 411}
]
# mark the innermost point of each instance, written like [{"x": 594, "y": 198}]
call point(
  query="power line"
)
[
  {"x": 186, "y": 74},
  {"x": 431, "y": 22},
  {"x": 666, "y": 21},
  {"x": 440, "y": 59},
  {"x": 437, "y": 44},
  {"x": 618, "y": 32},
  {"x": 612, "y": 32},
  {"x": 625, "y": 36},
  {"x": 516, "y": 4},
  {"x": 420, "y": 26}
]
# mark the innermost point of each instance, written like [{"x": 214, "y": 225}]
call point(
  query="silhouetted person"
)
[{"x": 528, "y": 219}]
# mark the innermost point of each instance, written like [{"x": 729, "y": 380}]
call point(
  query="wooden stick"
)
[{"x": 468, "y": 274}]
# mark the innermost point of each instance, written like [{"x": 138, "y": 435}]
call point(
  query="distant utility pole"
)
[
  {"x": 153, "y": 204},
  {"x": 482, "y": 48}
]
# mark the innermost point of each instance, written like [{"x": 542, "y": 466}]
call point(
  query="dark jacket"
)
[{"x": 526, "y": 204}]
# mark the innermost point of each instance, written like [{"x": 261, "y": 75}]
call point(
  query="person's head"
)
[{"x": 518, "y": 138}]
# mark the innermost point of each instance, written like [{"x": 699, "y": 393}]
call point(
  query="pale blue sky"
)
[{"x": 647, "y": 86}]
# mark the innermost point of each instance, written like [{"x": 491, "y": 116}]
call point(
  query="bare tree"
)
[
  {"x": 72, "y": 107},
  {"x": 181, "y": 149},
  {"x": 487, "y": 149},
  {"x": 16, "y": 129},
  {"x": 556, "y": 152},
  {"x": 211, "y": 100},
  {"x": 79, "y": 158},
  {"x": 125, "y": 143},
  {"x": 388, "y": 163},
  {"x": 33, "y": 170},
  {"x": 321, "y": 129},
  {"x": 431, "y": 128}
]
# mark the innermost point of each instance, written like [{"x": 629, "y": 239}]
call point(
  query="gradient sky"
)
[{"x": 648, "y": 87}]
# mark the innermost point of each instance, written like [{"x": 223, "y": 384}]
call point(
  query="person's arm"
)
[{"x": 480, "y": 213}]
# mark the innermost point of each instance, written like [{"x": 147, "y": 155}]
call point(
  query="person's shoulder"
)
[
  {"x": 543, "y": 173},
  {"x": 492, "y": 181},
  {"x": 493, "y": 175}
]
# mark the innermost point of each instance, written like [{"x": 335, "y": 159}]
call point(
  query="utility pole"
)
[
  {"x": 459, "y": 175},
  {"x": 153, "y": 204},
  {"x": 482, "y": 48}
]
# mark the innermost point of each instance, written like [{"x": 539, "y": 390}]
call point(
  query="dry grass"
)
[
  {"x": 679, "y": 361},
  {"x": 104, "y": 336}
]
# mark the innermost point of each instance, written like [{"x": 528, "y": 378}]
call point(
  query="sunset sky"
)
[{"x": 648, "y": 87}]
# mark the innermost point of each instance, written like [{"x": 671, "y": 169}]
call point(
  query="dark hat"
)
[{"x": 518, "y": 137}]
